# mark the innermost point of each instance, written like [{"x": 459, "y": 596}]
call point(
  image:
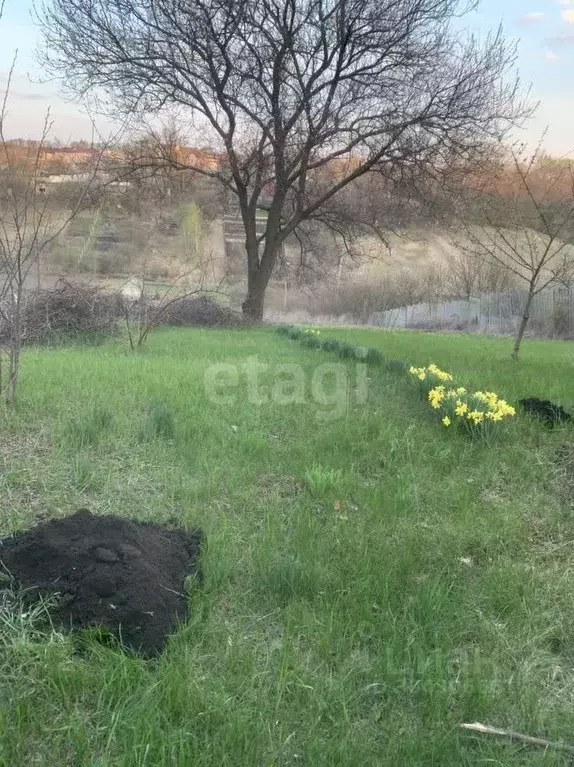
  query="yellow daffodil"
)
[
  {"x": 431, "y": 370},
  {"x": 476, "y": 416},
  {"x": 461, "y": 408},
  {"x": 436, "y": 396}
]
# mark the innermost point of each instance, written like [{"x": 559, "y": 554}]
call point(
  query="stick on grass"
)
[{"x": 517, "y": 737}]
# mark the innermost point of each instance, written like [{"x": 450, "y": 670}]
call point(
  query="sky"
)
[{"x": 544, "y": 30}]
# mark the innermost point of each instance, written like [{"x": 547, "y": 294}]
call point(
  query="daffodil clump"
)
[
  {"x": 311, "y": 332},
  {"x": 477, "y": 412},
  {"x": 429, "y": 377}
]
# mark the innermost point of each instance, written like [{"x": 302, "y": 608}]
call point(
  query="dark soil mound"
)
[
  {"x": 107, "y": 571},
  {"x": 545, "y": 410}
]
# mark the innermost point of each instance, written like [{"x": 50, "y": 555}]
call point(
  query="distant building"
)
[{"x": 199, "y": 158}]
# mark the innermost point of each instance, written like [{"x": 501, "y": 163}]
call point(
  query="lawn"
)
[{"x": 371, "y": 580}]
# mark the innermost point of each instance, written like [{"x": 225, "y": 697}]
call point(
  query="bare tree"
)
[
  {"x": 463, "y": 275},
  {"x": 408, "y": 289},
  {"x": 519, "y": 224},
  {"x": 299, "y": 97},
  {"x": 467, "y": 275},
  {"x": 29, "y": 224}
]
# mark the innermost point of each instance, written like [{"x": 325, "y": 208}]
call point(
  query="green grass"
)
[
  {"x": 545, "y": 370},
  {"x": 372, "y": 580}
]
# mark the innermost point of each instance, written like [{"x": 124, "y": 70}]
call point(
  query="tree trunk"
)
[
  {"x": 13, "y": 373},
  {"x": 523, "y": 324},
  {"x": 257, "y": 280},
  {"x": 255, "y": 299},
  {"x": 15, "y": 347},
  {"x": 260, "y": 266}
]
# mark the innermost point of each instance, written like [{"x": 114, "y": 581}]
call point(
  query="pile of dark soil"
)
[
  {"x": 547, "y": 411},
  {"x": 200, "y": 310},
  {"x": 107, "y": 571}
]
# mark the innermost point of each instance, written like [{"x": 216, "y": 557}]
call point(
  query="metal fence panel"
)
[{"x": 551, "y": 313}]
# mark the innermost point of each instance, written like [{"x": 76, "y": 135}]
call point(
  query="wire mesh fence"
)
[{"x": 551, "y": 313}]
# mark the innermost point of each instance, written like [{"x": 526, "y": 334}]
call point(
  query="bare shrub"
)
[
  {"x": 169, "y": 307},
  {"x": 469, "y": 276},
  {"x": 561, "y": 319},
  {"x": 68, "y": 310},
  {"x": 199, "y": 310},
  {"x": 360, "y": 300},
  {"x": 357, "y": 300}
]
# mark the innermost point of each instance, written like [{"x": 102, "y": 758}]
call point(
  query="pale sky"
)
[{"x": 544, "y": 29}]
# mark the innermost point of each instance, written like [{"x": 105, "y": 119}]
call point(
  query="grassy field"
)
[{"x": 372, "y": 579}]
